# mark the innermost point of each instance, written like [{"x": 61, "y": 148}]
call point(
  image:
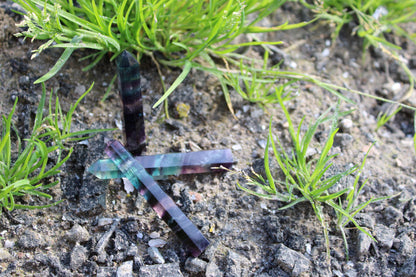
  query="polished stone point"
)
[
  {"x": 162, "y": 165},
  {"x": 128, "y": 71},
  {"x": 161, "y": 203}
]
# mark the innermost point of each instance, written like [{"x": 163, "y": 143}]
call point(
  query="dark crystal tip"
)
[{"x": 125, "y": 59}]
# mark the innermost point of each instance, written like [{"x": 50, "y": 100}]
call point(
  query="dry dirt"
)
[{"x": 249, "y": 236}]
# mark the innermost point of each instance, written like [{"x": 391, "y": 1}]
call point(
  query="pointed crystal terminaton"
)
[
  {"x": 128, "y": 71},
  {"x": 161, "y": 203},
  {"x": 170, "y": 164}
]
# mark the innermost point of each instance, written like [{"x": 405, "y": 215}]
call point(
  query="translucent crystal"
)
[
  {"x": 157, "y": 198},
  {"x": 163, "y": 165},
  {"x": 128, "y": 71}
]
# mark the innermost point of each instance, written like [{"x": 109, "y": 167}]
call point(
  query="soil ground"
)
[{"x": 249, "y": 236}]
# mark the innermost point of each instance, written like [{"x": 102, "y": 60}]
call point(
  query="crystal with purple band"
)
[
  {"x": 128, "y": 71},
  {"x": 161, "y": 203},
  {"x": 162, "y": 165}
]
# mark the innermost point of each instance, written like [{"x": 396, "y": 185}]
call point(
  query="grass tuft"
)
[
  {"x": 186, "y": 34},
  {"x": 305, "y": 180},
  {"x": 25, "y": 167}
]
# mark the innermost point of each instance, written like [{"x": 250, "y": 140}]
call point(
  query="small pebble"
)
[
  {"x": 262, "y": 143},
  {"x": 392, "y": 215},
  {"x": 363, "y": 245},
  {"x": 384, "y": 236},
  {"x": 154, "y": 235},
  {"x": 104, "y": 221},
  {"x": 128, "y": 186},
  {"x": 311, "y": 151},
  {"x": 195, "y": 196},
  {"x": 212, "y": 270},
  {"x": 177, "y": 188},
  {"x": 293, "y": 64},
  {"x": 195, "y": 265},
  {"x": 325, "y": 53},
  {"x": 395, "y": 87},
  {"x": 24, "y": 80},
  {"x": 291, "y": 261},
  {"x": 308, "y": 248},
  {"x": 170, "y": 269},
  {"x": 157, "y": 243},
  {"x": 346, "y": 124},
  {"x": 8, "y": 243},
  {"x": 133, "y": 250},
  {"x": 5, "y": 256},
  {"x": 155, "y": 255},
  {"x": 343, "y": 139},
  {"x": 125, "y": 269},
  {"x": 79, "y": 90},
  {"x": 237, "y": 147},
  {"x": 31, "y": 240},
  {"x": 77, "y": 234},
  {"x": 79, "y": 255}
]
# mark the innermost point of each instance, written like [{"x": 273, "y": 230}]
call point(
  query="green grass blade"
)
[
  {"x": 176, "y": 83},
  {"x": 59, "y": 64}
]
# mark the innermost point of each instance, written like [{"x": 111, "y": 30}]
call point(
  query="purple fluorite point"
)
[{"x": 157, "y": 198}]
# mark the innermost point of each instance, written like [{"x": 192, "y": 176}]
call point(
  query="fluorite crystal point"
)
[
  {"x": 128, "y": 71},
  {"x": 163, "y": 165},
  {"x": 161, "y": 203}
]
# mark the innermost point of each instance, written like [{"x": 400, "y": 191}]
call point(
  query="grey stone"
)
[
  {"x": 343, "y": 139},
  {"x": 171, "y": 270},
  {"x": 212, "y": 270},
  {"x": 392, "y": 215},
  {"x": 137, "y": 262},
  {"x": 384, "y": 235},
  {"x": 195, "y": 265},
  {"x": 103, "y": 241},
  {"x": 24, "y": 81},
  {"x": 103, "y": 221},
  {"x": 154, "y": 235},
  {"x": 79, "y": 255},
  {"x": 79, "y": 90},
  {"x": 133, "y": 250},
  {"x": 346, "y": 125},
  {"x": 363, "y": 244},
  {"x": 365, "y": 220},
  {"x": 5, "y": 255},
  {"x": 405, "y": 245},
  {"x": 157, "y": 243},
  {"x": 155, "y": 255},
  {"x": 310, "y": 152},
  {"x": 237, "y": 265},
  {"x": 102, "y": 257},
  {"x": 125, "y": 269},
  {"x": 31, "y": 240},
  {"x": 77, "y": 234},
  {"x": 121, "y": 241},
  {"x": 291, "y": 261},
  {"x": 8, "y": 243}
]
